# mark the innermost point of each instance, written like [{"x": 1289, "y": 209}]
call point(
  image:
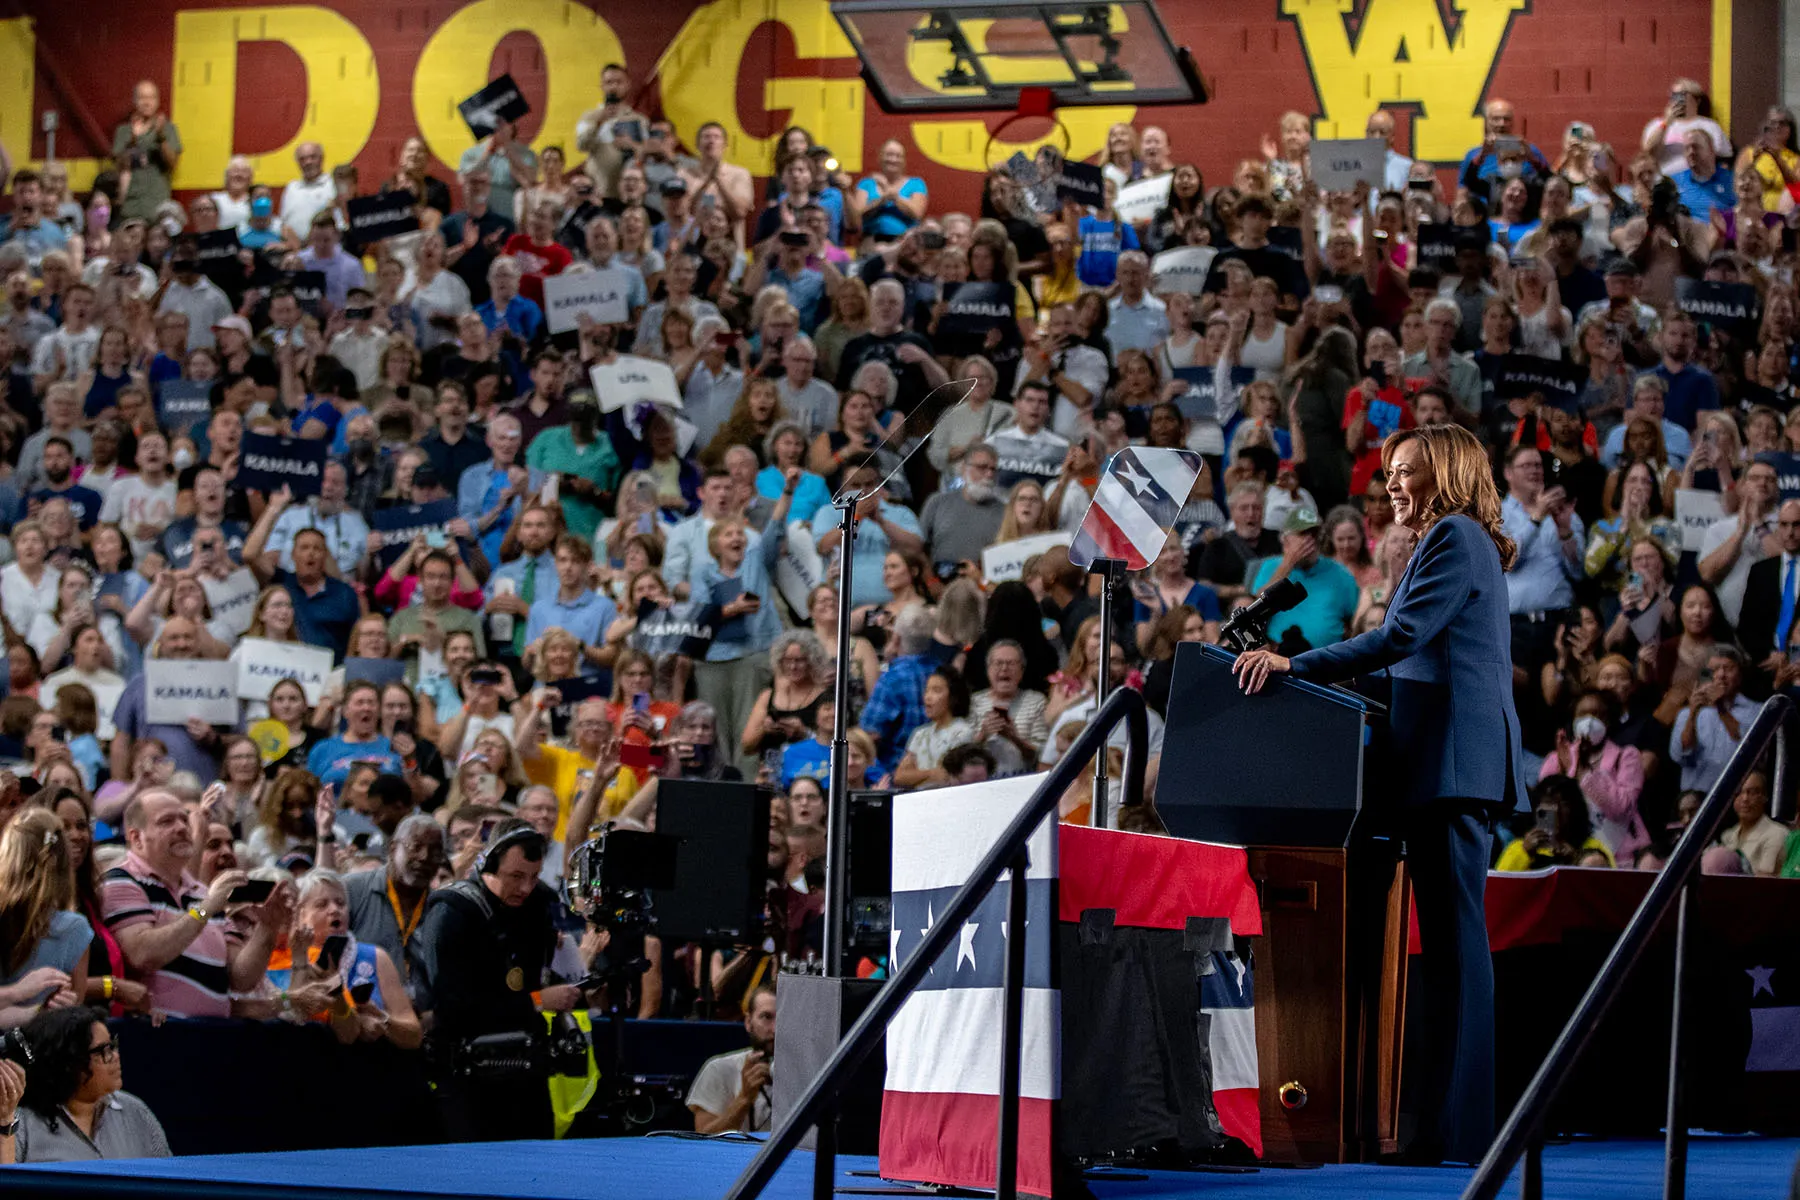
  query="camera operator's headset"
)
[{"x": 489, "y": 862}]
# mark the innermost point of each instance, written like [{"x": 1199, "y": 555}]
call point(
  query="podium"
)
[{"x": 1296, "y": 775}]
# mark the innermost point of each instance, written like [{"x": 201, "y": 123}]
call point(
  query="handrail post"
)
[
  {"x": 1012, "y": 1035},
  {"x": 1110, "y": 571},
  {"x": 822, "y": 1094},
  {"x": 1531, "y": 1179},
  {"x": 837, "y": 810},
  {"x": 1778, "y": 800},
  {"x": 825, "y": 1156},
  {"x": 1675, "y": 1145},
  {"x": 1532, "y": 1110}
]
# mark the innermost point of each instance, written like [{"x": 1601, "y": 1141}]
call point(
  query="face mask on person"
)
[
  {"x": 99, "y": 217},
  {"x": 183, "y": 458},
  {"x": 1590, "y": 729}
]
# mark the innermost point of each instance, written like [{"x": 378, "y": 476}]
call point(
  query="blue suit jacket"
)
[{"x": 1446, "y": 645}]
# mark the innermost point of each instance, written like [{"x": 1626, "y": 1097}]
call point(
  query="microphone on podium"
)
[{"x": 1254, "y": 617}]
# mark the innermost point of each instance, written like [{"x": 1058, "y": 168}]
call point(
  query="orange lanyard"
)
[{"x": 406, "y": 926}]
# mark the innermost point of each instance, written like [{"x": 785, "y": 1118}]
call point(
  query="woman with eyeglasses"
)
[
  {"x": 787, "y": 710},
  {"x": 75, "y": 1108}
]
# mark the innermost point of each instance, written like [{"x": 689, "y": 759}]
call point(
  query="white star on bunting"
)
[{"x": 965, "y": 946}]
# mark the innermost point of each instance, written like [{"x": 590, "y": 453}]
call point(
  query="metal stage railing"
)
[
  {"x": 1523, "y": 1133},
  {"x": 817, "y": 1106}
]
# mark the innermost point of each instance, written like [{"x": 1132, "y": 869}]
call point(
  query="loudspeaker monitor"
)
[{"x": 721, "y": 865}]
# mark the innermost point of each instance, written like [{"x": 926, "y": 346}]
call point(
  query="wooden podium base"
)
[{"x": 1330, "y": 1001}]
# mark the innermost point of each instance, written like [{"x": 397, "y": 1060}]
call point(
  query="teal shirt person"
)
[
  {"x": 1324, "y": 616},
  {"x": 809, "y": 497},
  {"x": 582, "y": 465}
]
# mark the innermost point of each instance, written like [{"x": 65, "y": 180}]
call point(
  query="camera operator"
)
[
  {"x": 731, "y": 1092},
  {"x": 483, "y": 950}
]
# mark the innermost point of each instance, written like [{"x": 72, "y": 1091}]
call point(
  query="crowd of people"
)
[{"x": 630, "y": 592}]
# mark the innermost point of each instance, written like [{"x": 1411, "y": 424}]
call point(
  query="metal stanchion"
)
[
  {"x": 1012, "y": 1037},
  {"x": 1675, "y": 1122},
  {"x": 837, "y": 805},
  {"x": 1780, "y": 797},
  {"x": 1111, "y": 571}
]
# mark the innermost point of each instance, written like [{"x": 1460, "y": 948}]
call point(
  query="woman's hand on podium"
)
[{"x": 1254, "y": 667}]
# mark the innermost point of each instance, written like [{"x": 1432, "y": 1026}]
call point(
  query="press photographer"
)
[
  {"x": 732, "y": 1090},
  {"x": 484, "y": 951}
]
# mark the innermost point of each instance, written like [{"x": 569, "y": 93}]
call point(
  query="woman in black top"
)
[
  {"x": 788, "y": 709},
  {"x": 1175, "y": 223},
  {"x": 1002, "y": 201}
]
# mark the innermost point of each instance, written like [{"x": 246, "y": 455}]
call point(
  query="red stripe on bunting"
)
[
  {"x": 930, "y": 1137},
  {"x": 1240, "y": 1116},
  {"x": 1154, "y": 882}
]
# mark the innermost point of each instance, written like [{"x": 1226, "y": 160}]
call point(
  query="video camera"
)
[{"x": 612, "y": 876}]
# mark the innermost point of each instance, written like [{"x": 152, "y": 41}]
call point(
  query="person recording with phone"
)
[
  {"x": 483, "y": 954},
  {"x": 172, "y": 931},
  {"x": 326, "y": 974},
  {"x": 488, "y": 692},
  {"x": 1562, "y": 833},
  {"x": 1706, "y": 732}
]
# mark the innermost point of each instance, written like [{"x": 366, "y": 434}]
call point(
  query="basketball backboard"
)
[{"x": 985, "y": 54}]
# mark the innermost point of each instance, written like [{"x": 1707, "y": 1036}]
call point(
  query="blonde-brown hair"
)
[
  {"x": 1010, "y": 525},
  {"x": 1462, "y": 479},
  {"x": 36, "y": 882}
]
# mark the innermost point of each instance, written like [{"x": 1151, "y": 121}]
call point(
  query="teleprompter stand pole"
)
[
  {"x": 837, "y": 805},
  {"x": 1111, "y": 571}
]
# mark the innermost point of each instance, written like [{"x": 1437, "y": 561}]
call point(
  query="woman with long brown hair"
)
[
  {"x": 43, "y": 943},
  {"x": 755, "y": 413},
  {"x": 1026, "y": 513},
  {"x": 1446, "y": 642},
  {"x": 107, "y": 985}
]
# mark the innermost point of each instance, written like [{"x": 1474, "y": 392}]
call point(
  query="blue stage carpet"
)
[{"x": 671, "y": 1169}]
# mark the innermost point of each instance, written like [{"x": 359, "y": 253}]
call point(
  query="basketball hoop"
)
[{"x": 1034, "y": 103}]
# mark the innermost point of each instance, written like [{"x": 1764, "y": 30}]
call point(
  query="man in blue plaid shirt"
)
[{"x": 896, "y": 706}]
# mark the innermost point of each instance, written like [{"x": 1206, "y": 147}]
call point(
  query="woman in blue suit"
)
[{"x": 1445, "y": 646}]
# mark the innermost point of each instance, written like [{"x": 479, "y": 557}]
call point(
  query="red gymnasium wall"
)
[{"x": 362, "y": 75}]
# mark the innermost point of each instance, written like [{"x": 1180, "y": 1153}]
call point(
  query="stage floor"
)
[{"x": 681, "y": 1169}]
